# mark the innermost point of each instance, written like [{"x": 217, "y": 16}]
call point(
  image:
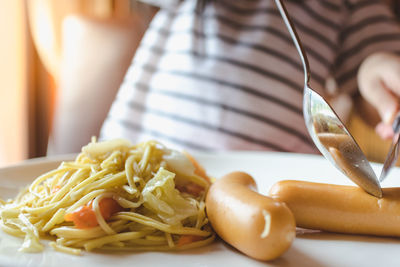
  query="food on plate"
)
[
  {"x": 114, "y": 196},
  {"x": 339, "y": 208},
  {"x": 257, "y": 225}
]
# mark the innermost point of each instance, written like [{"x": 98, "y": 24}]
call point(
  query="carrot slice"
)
[
  {"x": 187, "y": 239},
  {"x": 190, "y": 188},
  {"x": 108, "y": 207},
  {"x": 198, "y": 169},
  {"x": 85, "y": 217}
]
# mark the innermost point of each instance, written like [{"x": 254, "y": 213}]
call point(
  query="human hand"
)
[{"x": 379, "y": 84}]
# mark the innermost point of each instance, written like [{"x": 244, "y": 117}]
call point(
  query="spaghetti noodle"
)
[{"x": 114, "y": 196}]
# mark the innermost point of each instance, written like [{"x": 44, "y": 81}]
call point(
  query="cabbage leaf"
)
[{"x": 161, "y": 197}]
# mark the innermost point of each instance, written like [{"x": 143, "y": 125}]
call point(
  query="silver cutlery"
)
[
  {"x": 393, "y": 154},
  {"x": 326, "y": 129}
]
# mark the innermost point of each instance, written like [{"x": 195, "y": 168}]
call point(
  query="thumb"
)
[{"x": 379, "y": 83}]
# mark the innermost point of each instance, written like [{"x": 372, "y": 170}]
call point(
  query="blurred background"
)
[
  {"x": 63, "y": 56},
  {"x": 55, "y": 55}
]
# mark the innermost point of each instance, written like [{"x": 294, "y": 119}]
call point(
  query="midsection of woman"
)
[{"x": 227, "y": 76}]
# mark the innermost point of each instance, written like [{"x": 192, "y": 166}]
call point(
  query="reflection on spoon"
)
[{"x": 345, "y": 153}]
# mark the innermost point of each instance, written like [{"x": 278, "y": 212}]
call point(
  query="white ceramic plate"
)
[{"x": 309, "y": 249}]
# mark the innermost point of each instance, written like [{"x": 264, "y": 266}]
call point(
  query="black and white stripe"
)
[
  {"x": 227, "y": 75},
  {"x": 227, "y": 107},
  {"x": 371, "y": 28}
]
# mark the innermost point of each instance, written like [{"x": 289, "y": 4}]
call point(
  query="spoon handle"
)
[{"x": 296, "y": 40}]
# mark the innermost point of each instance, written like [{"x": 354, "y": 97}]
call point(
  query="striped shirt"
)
[{"x": 229, "y": 76}]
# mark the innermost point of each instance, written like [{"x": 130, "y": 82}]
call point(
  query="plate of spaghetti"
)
[{"x": 115, "y": 196}]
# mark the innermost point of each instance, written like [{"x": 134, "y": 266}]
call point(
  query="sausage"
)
[
  {"x": 256, "y": 225},
  {"x": 339, "y": 208}
]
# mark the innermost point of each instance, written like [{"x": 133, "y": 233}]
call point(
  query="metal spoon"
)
[
  {"x": 393, "y": 154},
  {"x": 327, "y": 131}
]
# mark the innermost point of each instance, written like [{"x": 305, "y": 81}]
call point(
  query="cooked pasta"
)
[{"x": 114, "y": 196}]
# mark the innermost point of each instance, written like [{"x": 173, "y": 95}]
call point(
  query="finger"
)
[
  {"x": 389, "y": 73},
  {"x": 379, "y": 96},
  {"x": 379, "y": 83},
  {"x": 384, "y": 130}
]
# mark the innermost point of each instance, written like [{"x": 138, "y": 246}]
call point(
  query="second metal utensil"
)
[
  {"x": 393, "y": 154},
  {"x": 327, "y": 131}
]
